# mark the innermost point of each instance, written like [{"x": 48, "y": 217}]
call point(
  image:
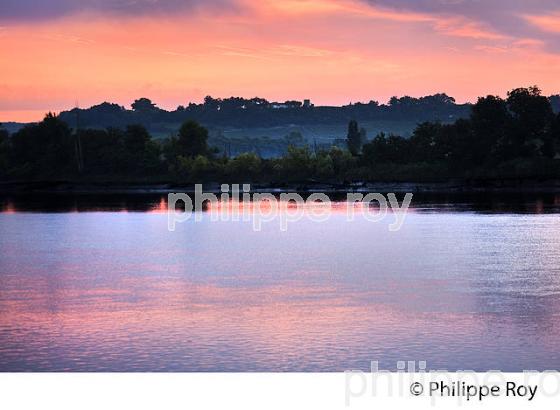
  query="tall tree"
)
[
  {"x": 532, "y": 116},
  {"x": 354, "y": 138},
  {"x": 489, "y": 120},
  {"x": 193, "y": 140}
]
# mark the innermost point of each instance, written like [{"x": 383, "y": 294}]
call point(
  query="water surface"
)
[{"x": 100, "y": 284}]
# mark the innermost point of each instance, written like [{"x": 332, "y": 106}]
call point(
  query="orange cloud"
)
[
  {"x": 463, "y": 28},
  {"x": 491, "y": 49},
  {"x": 549, "y": 23}
]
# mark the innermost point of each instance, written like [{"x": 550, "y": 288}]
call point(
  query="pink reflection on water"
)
[
  {"x": 157, "y": 322},
  {"x": 160, "y": 207}
]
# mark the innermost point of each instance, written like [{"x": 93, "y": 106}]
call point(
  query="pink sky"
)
[{"x": 332, "y": 51}]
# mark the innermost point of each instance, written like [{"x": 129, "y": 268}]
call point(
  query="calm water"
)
[{"x": 465, "y": 284}]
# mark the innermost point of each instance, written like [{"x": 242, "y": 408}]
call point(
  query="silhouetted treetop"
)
[{"x": 144, "y": 105}]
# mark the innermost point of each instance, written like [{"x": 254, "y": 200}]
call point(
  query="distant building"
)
[
  {"x": 287, "y": 104},
  {"x": 307, "y": 104}
]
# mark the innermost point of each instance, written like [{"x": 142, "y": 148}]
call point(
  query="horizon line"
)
[{"x": 39, "y": 114}]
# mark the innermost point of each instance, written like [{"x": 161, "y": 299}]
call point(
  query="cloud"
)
[
  {"x": 483, "y": 10},
  {"x": 459, "y": 27},
  {"x": 33, "y": 10},
  {"x": 549, "y": 23},
  {"x": 491, "y": 49},
  {"x": 537, "y": 20},
  {"x": 499, "y": 16},
  {"x": 449, "y": 24},
  {"x": 274, "y": 52},
  {"x": 477, "y": 19}
]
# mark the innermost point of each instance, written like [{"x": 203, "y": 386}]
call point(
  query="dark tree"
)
[
  {"x": 532, "y": 118},
  {"x": 144, "y": 105},
  {"x": 45, "y": 149},
  {"x": 212, "y": 104},
  {"x": 296, "y": 165},
  {"x": 141, "y": 153},
  {"x": 386, "y": 149},
  {"x": 555, "y": 103},
  {"x": 555, "y": 136},
  {"x": 489, "y": 120},
  {"x": 424, "y": 142},
  {"x": 193, "y": 140},
  {"x": 459, "y": 138},
  {"x": 3, "y": 134},
  {"x": 103, "y": 151},
  {"x": 354, "y": 138},
  {"x": 4, "y": 150},
  {"x": 135, "y": 138}
]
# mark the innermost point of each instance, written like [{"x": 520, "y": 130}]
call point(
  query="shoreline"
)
[{"x": 448, "y": 187}]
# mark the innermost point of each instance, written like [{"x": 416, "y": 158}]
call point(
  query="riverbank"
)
[{"x": 441, "y": 187}]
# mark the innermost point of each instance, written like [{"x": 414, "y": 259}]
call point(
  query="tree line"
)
[
  {"x": 515, "y": 137},
  {"x": 259, "y": 112}
]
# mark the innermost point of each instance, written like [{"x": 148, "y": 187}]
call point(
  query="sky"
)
[{"x": 57, "y": 54}]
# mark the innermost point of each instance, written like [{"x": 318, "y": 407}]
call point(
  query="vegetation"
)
[
  {"x": 517, "y": 137},
  {"x": 257, "y": 112}
]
